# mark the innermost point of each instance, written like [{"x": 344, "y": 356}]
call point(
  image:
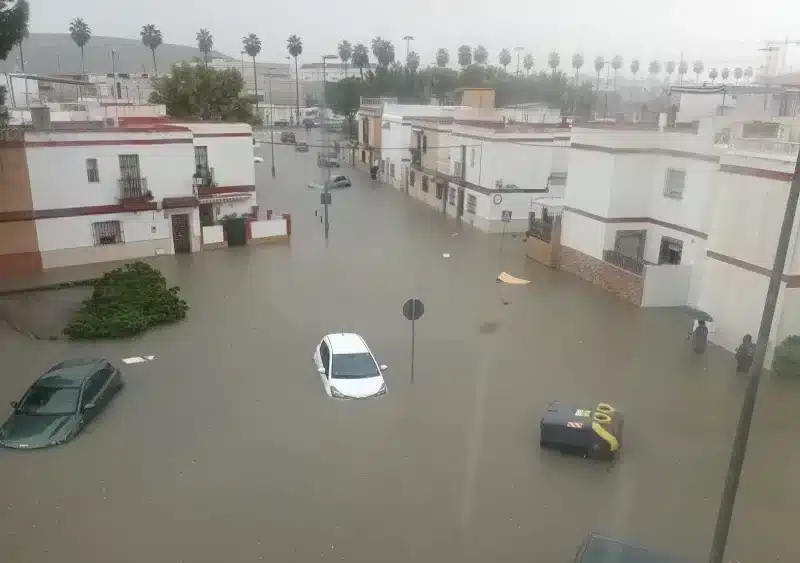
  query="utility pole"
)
[
  {"x": 518, "y": 50},
  {"x": 271, "y": 124},
  {"x": 408, "y": 39},
  {"x": 326, "y": 177},
  {"x": 739, "y": 448}
]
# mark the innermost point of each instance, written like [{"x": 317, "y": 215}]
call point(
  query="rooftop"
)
[{"x": 347, "y": 343}]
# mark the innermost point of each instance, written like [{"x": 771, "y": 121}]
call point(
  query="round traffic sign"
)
[
  {"x": 497, "y": 199},
  {"x": 413, "y": 309}
]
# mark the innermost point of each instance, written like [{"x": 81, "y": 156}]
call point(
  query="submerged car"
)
[
  {"x": 600, "y": 549},
  {"x": 301, "y": 147},
  {"x": 59, "y": 405},
  {"x": 334, "y": 183},
  {"x": 347, "y": 367},
  {"x": 287, "y": 137}
]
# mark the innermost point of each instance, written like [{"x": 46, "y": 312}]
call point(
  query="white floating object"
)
[
  {"x": 446, "y": 255},
  {"x": 149, "y": 358},
  {"x": 133, "y": 360},
  {"x": 509, "y": 279}
]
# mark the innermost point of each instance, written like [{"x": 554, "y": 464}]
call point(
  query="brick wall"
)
[{"x": 615, "y": 280}]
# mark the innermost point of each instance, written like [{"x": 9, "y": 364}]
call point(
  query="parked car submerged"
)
[
  {"x": 335, "y": 183},
  {"x": 301, "y": 146},
  {"x": 347, "y": 367},
  {"x": 288, "y": 137},
  {"x": 59, "y": 405}
]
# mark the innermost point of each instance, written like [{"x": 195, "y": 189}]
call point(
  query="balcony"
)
[
  {"x": 769, "y": 145},
  {"x": 416, "y": 157},
  {"x": 627, "y": 263},
  {"x": 133, "y": 193},
  {"x": 203, "y": 177}
]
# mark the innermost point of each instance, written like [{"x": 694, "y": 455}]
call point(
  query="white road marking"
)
[{"x": 138, "y": 359}]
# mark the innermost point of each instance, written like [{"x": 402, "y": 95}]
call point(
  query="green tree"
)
[
  {"x": 361, "y": 58},
  {"x": 345, "y": 51},
  {"x": 737, "y": 74},
  {"x": 599, "y": 64},
  {"x": 295, "y": 47},
  {"x": 412, "y": 62},
  {"x": 80, "y": 32},
  {"x": 527, "y": 63},
  {"x": 683, "y": 68},
  {"x": 464, "y": 56},
  {"x": 442, "y": 57},
  {"x": 726, "y": 72},
  {"x": 616, "y": 64},
  {"x": 712, "y": 74},
  {"x": 197, "y": 92},
  {"x": 577, "y": 63},
  {"x": 152, "y": 39},
  {"x": 553, "y": 60},
  {"x": 481, "y": 55},
  {"x": 654, "y": 68},
  {"x": 252, "y": 46},
  {"x": 698, "y": 68},
  {"x": 505, "y": 58},
  {"x": 205, "y": 42},
  {"x": 344, "y": 96},
  {"x": 635, "y": 67},
  {"x": 13, "y": 24},
  {"x": 670, "y": 68}
]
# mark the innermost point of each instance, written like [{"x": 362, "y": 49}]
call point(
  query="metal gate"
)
[{"x": 180, "y": 233}]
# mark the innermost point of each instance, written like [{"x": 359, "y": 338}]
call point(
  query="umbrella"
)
[{"x": 698, "y": 315}]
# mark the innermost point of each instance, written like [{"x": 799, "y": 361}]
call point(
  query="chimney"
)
[{"x": 40, "y": 117}]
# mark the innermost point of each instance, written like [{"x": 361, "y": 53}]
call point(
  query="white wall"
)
[
  {"x": 213, "y": 234},
  {"x": 693, "y": 210},
  {"x": 666, "y": 285},
  {"x": 77, "y": 232},
  {"x": 395, "y": 143},
  {"x": 583, "y": 234},
  {"x": 58, "y": 174},
  {"x": 589, "y": 182},
  {"x": 231, "y": 157},
  {"x": 267, "y": 229}
]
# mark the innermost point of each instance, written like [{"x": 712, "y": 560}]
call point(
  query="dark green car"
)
[{"x": 61, "y": 403}]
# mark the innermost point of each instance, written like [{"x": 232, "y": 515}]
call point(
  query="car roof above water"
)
[
  {"x": 71, "y": 373},
  {"x": 601, "y": 549},
  {"x": 347, "y": 343}
]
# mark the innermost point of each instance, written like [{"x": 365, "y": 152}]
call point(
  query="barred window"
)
[
  {"x": 472, "y": 203},
  {"x": 452, "y": 196},
  {"x": 425, "y": 184},
  {"x": 441, "y": 189},
  {"x": 411, "y": 177},
  {"x": 92, "y": 171},
  {"x": 107, "y": 232},
  {"x": 674, "y": 183}
]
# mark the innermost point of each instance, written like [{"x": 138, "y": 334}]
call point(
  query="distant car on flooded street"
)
[
  {"x": 61, "y": 403},
  {"x": 301, "y": 147}
]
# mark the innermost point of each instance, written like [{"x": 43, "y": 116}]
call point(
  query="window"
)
[
  {"x": 425, "y": 143},
  {"x": 383, "y": 165},
  {"x": 441, "y": 189},
  {"x": 391, "y": 170},
  {"x": 95, "y": 384},
  {"x": 670, "y": 251},
  {"x": 107, "y": 232},
  {"x": 325, "y": 355},
  {"x": 129, "y": 166},
  {"x": 452, "y": 196},
  {"x": 411, "y": 177},
  {"x": 674, "y": 183},
  {"x": 425, "y": 184},
  {"x": 92, "y": 172},
  {"x": 45, "y": 400},
  {"x": 353, "y": 366},
  {"x": 363, "y": 156},
  {"x": 201, "y": 156},
  {"x": 472, "y": 158},
  {"x": 457, "y": 169},
  {"x": 472, "y": 203}
]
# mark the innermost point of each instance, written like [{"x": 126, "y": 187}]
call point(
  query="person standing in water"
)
[
  {"x": 744, "y": 354},
  {"x": 700, "y": 338}
]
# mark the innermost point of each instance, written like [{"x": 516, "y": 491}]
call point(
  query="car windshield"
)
[
  {"x": 42, "y": 400},
  {"x": 354, "y": 366}
]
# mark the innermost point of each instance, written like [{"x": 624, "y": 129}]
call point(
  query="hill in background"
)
[{"x": 43, "y": 51}]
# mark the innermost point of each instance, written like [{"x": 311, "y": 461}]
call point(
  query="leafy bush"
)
[
  {"x": 787, "y": 357},
  {"x": 127, "y": 301}
]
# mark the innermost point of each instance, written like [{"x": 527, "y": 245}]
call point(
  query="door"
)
[
  {"x": 404, "y": 172},
  {"x": 630, "y": 243},
  {"x": 180, "y": 233},
  {"x": 93, "y": 393},
  {"x": 460, "y": 206}
]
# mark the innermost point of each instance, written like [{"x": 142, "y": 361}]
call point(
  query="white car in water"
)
[{"x": 347, "y": 367}]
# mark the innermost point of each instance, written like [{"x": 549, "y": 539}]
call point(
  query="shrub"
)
[
  {"x": 127, "y": 301},
  {"x": 787, "y": 357}
]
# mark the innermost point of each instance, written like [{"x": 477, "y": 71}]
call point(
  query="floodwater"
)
[{"x": 225, "y": 448}]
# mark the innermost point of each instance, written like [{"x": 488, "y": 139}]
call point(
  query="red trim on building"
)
[
  {"x": 177, "y": 202},
  {"x": 42, "y": 144},
  {"x": 664, "y": 152},
  {"x": 223, "y": 134},
  {"x": 757, "y": 172},
  {"x": 13, "y": 216},
  {"x": 216, "y": 190}
]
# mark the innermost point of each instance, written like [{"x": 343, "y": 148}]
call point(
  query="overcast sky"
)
[{"x": 719, "y": 33}]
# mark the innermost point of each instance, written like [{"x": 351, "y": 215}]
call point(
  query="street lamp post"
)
[
  {"x": 326, "y": 177},
  {"x": 739, "y": 448},
  {"x": 271, "y": 123},
  {"x": 408, "y": 39},
  {"x": 518, "y": 50}
]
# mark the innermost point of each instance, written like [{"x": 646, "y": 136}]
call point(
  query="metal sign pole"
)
[{"x": 413, "y": 338}]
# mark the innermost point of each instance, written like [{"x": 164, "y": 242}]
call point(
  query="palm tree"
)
[
  {"x": 726, "y": 72},
  {"x": 412, "y": 61},
  {"x": 737, "y": 74},
  {"x": 505, "y": 58},
  {"x": 80, "y": 32},
  {"x": 683, "y": 68},
  {"x": 345, "y": 50},
  {"x": 553, "y": 60},
  {"x": 697, "y": 68},
  {"x": 252, "y": 46},
  {"x": 577, "y": 63},
  {"x": 383, "y": 51},
  {"x": 205, "y": 42},
  {"x": 481, "y": 55},
  {"x": 360, "y": 58},
  {"x": 616, "y": 64},
  {"x": 464, "y": 56},
  {"x": 599, "y": 63},
  {"x": 712, "y": 74},
  {"x": 635, "y": 67},
  {"x": 527, "y": 63},
  {"x": 654, "y": 68},
  {"x": 152, "y": 39},
  {"x": 295, "y": 47},
  {"x": 748, "y": 73},
  {"x": 670, "y": 68}
]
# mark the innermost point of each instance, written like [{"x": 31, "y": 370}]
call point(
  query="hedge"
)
[
  {"x": 787, "y": 357},
  {"x": 125, "y": 302}
]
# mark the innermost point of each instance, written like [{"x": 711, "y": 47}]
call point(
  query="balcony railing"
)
[
  {"x": 543, "y": 230},
  {"x": 416, "y": 157},
  {"x": 203, "y": 177},
  {"x": 133, "y": 188},
  {"x": 633, "y": 265},
  {"x": 775, "y": 146}
]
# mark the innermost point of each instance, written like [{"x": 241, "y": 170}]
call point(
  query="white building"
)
[
  {"x": 82, "y": 196},
  {"x": 332, "y": 72}
]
